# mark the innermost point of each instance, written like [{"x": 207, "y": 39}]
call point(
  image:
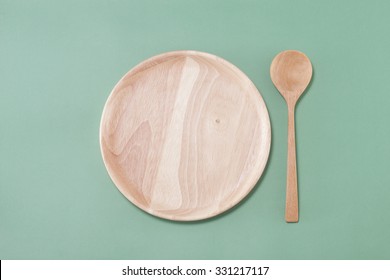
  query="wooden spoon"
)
[{"x": 291, "y": 73}]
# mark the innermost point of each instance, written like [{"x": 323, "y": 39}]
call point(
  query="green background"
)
[{"x": 59, "y": 61}]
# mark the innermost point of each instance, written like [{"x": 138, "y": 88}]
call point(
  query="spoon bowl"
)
[{"x": 291, "y": 72}]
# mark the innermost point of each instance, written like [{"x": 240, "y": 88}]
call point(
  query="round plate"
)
[{"x": 185, "y": 135}]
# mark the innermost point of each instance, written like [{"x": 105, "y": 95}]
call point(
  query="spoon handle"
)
[{"x": 292, "y": 185}]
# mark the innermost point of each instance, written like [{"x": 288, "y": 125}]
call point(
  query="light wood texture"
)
[
  {"x": 291, "y": 73},
  {"x": 185, "y": 135}
]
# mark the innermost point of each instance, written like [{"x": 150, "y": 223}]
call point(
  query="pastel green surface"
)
[{"x": 59, "y": 61}]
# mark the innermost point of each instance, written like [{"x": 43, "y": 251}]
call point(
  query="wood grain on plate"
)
[{"x": 185, "y": 135}]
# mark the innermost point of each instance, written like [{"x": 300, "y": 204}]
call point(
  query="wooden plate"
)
[{"x": 185, "y": 135}]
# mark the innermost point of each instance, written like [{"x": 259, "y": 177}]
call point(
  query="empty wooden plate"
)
[{"x": 185, "y": 135}]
